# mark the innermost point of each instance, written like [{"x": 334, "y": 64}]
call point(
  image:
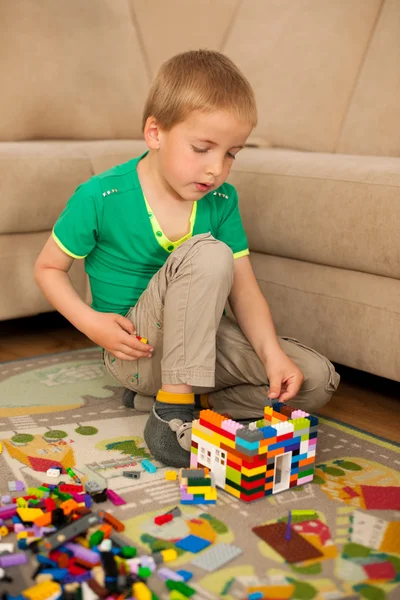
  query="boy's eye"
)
[
  {"x": 204, "y": 150},
  {"x": 201, "y": 150}
]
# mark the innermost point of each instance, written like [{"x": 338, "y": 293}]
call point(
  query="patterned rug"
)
[{"x": 64, "y": 409}]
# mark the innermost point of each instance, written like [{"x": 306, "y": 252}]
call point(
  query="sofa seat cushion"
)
[
  {"x": 351, "y": 317},
  {"x": 331, "y": 209},
  {"x": 37, "y": 178}
]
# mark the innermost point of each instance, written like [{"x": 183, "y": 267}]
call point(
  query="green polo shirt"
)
[{"x": 108, "y": 223}]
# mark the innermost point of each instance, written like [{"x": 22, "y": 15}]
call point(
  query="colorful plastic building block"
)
[
  {"x": 148, "y": 466},
  {"x": 161, "y": 519},
  {"x": 115, "y": 498},
  {"x": 216, "y": 557},
  {"x": 192, "y": 543},
  {"x": 16, "y": 486},
  {"x": 266, "y": 457},
  {"x": 131, "y": 474}
]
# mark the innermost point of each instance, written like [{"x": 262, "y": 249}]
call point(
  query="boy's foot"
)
[
  {"x": 168, "y": 441},
  {"x": 131, "y": 399}
]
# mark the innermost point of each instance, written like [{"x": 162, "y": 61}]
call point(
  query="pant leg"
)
[
  {"x": 242, "y": 384},
  {"x": 179, "y": 313}
]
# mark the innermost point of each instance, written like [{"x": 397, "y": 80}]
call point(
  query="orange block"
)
[
  {"x": 69, "y": 506},
  {"x": 106, "y": 529},
  {"x": 269, "y": 485},
  {"x": 306, "y": 461},
  {"x": 294, "y": 477},
  {"x": 44, "y": 520},
  {"x": 275, "y": 452}
]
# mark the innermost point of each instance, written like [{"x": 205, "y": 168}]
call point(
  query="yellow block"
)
[
  {"x": 169, "y": 554},
  {"x": 232, "y": 491},
  {"x": 170, "y": 475},
  {"x": 199, "y": 489},
  {"x": 141, "y": 591},
  {"x": 43, "y": 591},
  {"x": 21, "y": 535},
  {"x": 211, "y": 495},
  {"x": 251, "y": 472},
  {"x": 29, "y": 514}
]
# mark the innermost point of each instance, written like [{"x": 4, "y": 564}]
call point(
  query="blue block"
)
[
  {"x": 269, "y": 479},
  {"x": 187, "y": 575},
  {"x": 294, "y": 470},
  {"x": 313, "y": 435},
  {"x": 16, "y": 519},
  {"x": 277, "y": 406},
  {"x": 313, "y": 420},
  {"x": 269, "y": 492},
  {"x": 248, "y": 445},
  {"x": 45, "y": 560},
  {"x": 57, "y": 574},
  {"x": 295, "y": 459},
  {"x": 268, "y": 432},
  {"x": 192, "y": 543},
  {"x": 146, "y": 464},
  {"x": 255, "y": 596}
]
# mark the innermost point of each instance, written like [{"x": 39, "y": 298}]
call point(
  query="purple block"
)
[
  {"x": 186, "y": 496},
  {"x": 164, "y": 573},
  {"x": 88, "y": 500},
  {"x": 11, "y": 560},
  {"x": 19, "y": 486},
  {"x": 83, "y": 553},
  {"x": 6, "y": 499},
  {"x": 115, "y": 499},
  {"x": 8, "y": 513}
]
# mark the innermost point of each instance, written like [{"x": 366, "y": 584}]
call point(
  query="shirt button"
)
[
  {"x": 170, "y": 248},
  {"x": 159, "y": 233}
]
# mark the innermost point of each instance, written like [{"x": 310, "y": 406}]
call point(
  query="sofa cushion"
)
[
  {"x": 329, "y": 209},
  {"x": 302, "y": 58},
  {"x": 70, "y": 70},
  {"x": 372, "y": 125},
  {"x": 353, "y": 318},
  {"x": 37, "y": 178},
  {"x": 20, "y": 296}
]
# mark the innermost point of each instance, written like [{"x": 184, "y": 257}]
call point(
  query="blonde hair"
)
[{"x": 199, "y": 80}]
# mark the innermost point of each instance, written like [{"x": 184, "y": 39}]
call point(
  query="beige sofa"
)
[{"x": 320, "y": 195}]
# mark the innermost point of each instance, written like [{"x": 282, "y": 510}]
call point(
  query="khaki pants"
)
[{"x": 180, "y": 313}]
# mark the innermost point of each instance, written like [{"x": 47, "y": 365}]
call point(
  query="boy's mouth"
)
[{"x": 203, "y": 187}]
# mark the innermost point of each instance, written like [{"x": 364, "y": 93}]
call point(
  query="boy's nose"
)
[{"x": 214, "y": 169}]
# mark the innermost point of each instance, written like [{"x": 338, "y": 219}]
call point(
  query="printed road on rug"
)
[{"x": 65, "y": 409}]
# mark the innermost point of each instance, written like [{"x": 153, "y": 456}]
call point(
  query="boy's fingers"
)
[
  {"x": 126, "y": 324},
  {"x": 123, "y": 356},
  {"x": 274, "y": 387},
  {"x": 135, "y": 352},
  {"x": 133, "y": 342}
]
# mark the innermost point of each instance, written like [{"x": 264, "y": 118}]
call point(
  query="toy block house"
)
[{"x": 265, "y": 457}]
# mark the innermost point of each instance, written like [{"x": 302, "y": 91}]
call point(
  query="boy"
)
[{"x": 164, "y": 249}]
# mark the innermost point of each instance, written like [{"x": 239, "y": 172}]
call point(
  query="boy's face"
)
[{"x": 196, "y": 155}]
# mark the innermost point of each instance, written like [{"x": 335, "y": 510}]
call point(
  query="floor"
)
[{"x": 362, "y": 400}]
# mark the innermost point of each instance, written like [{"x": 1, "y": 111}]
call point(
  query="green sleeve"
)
[
  {"x": 230, "y": 228},
  {"x": 77, "y": 228}
]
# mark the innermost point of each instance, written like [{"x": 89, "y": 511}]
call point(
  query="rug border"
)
[{"x": 360, "y": 433}]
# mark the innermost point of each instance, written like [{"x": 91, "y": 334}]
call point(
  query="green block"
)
[
  {"x": 96, "y": 538},
  {"x": 144, "y": 572},
  {"x": 199, "y": 481},
  {"x": 128, "y": 552},
  {"x": 242, "y": 490},
  {"x": 260, "y": 476},
  {"x": 260, "y": 423},
  {"x": 180, "y": 586},
  {"x": 233, "y": 475},
  {"x": 194, "y": 450},
  {"x": 304, "y": 438},
  {"x": 305, "y": 473},
  {"x": 35, "y": 492}
]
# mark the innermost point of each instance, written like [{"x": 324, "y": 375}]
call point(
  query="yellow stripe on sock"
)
[{"x": 170, "y": 398}]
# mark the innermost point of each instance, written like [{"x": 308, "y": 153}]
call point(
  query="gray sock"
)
[{"x": 167, "y": 411}]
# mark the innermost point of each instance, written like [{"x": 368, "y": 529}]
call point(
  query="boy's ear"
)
[{"x": 151, "y": 133}]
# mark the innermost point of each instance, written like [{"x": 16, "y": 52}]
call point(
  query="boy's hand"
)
[
  {"x": 285, "y": 378},
  {"x": 117, "y": 335}
]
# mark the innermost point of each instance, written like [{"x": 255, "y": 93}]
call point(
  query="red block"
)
[
  {"x": 161, "y": 519},
  {"x": 50, "y": 504},
  {"x": 218, "y": 430},
  {"x": 252, "y": 497}
]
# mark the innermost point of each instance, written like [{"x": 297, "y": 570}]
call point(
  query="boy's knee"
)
[
  {"x": 214, "y": 257},
  {"x": 320, "y": 382}
]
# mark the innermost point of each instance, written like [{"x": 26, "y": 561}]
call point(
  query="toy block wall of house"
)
[{"x": 265, "y": 457}]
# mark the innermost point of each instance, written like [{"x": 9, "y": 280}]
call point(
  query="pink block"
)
[
  {"x": 296, "y": 414},
  {"x": 115, "y": 499},
  {"x": 305, "y": 480}
]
